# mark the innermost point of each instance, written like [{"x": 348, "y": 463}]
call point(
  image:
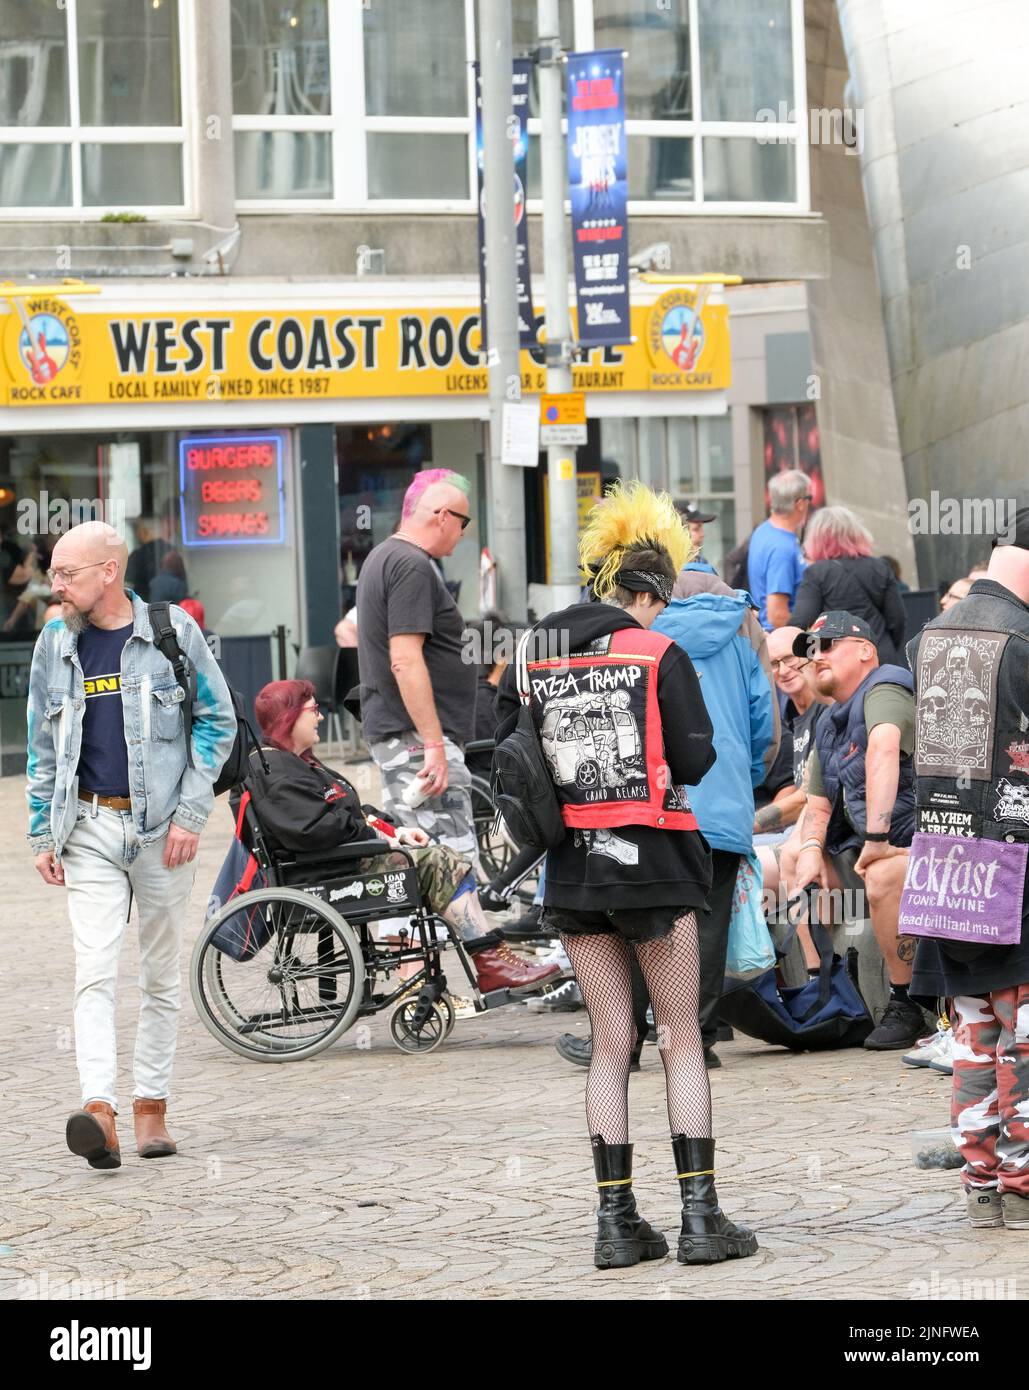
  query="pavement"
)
[{"x": 364, "y": 1173}]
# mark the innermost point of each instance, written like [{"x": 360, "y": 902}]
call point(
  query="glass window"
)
[
  {"x": 131, "y": 175},
  {"x": 652, "y": 451},
  {"x": 682, "y": 456},
  {"x": 714, "y": 453},
  {"x": 720, "y": 534},
  {"x": 33, "y": 64},
  {"x": 35, "y": 176},
  {"x": 661, "y": 168},
  {"x": 746, "y": 58},
  {"x": 283, "y": 164},
  {"x": 740, "y": 170},
  {"x": 618, "y": 456},
  {"x": 129, "y": 63},
  {"x": 525, "y": 29},
  {"x": 657, "y": 70},
  {"x": 417, "y": 166},
  {"x": 280, "y": 59},
  {"x": 414, "y": 59}
]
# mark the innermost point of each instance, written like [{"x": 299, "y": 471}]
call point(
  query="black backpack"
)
[
  {"x": 523, "y": 790},
  {"x": 235, "y": 766}
]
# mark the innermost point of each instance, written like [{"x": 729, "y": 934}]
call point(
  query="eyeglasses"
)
[
  {"x": 66, "y": 576},
  {"x": 463, "y": 517},
  {"x": 312, "y": 708},
  {"x": 789, "y": 663}
]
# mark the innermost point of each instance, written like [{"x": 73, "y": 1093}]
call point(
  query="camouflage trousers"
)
[
  {"x": 440, "y": 872},
  {"x": 447, "y": 818},
  {"x": 990, "y": 1099}
]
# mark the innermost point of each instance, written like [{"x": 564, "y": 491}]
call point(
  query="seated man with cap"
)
[{"x": 860, "y": 812}]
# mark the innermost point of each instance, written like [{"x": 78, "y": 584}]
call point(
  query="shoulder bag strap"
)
[{"x": 167, "y": 643}]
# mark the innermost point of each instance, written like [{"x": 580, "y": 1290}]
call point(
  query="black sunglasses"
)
[{"x": 463, "y": 517}]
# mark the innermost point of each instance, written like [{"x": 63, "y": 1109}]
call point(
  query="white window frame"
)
[
  {"x": 349, "y": 155},
  {"x": 76, "y": 135}
]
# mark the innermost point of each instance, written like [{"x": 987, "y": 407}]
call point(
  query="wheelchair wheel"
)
[
  {"x": 297, "y": 995},
  {"x": 433, "y": 1031},
  {"x": 496, "y": 848}
]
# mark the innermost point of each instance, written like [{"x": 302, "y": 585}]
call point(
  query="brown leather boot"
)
[
  {"x": 91, "y": 1134},
  {"x": 152, "y": 1139}
]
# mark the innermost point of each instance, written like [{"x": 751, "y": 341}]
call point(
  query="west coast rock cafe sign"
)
[{"x": 57, "y": 355}]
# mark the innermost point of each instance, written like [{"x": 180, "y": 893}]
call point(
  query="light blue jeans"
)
[{"x": 103, "y": 863}]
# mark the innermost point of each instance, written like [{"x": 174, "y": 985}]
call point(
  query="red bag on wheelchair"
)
[{"x": 242, "y": 934}]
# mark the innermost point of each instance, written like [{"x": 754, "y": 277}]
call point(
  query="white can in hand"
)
[{"x": 417, "y": 793}]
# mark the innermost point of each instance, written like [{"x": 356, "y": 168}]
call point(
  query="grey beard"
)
[{"x": 77, "y": 622}]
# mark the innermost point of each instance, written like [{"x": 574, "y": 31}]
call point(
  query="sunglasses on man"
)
[{"x": 463, "y": 517}]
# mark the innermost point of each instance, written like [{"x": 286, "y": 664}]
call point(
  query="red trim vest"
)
[{"x": 600, "y": 729}]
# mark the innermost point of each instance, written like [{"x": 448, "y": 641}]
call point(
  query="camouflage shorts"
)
[
  {"x": 447, "y": 818},
  {"x": 440, "y": 872}
]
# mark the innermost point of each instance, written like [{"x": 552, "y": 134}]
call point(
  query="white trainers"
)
[
  {"x": 943, "y": 1058},
  {"x": 925, "y": 1049}
]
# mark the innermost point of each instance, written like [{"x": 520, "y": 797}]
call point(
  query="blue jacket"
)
[
  {"x": 162, "y": 788},
  {"x": 717, "y": 635}
]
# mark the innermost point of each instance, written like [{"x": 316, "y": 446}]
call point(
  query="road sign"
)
[{"x": 563, "y": 418}]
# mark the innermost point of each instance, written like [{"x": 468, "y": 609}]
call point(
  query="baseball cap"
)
[
  {"x": 1016, "y": 532},
  {"x": 689, "y": 511},
  {"x": 828, "y": 626}
]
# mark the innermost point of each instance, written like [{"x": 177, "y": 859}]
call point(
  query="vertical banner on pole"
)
[
  {"x": 522, "y": 76},
  {"x": 598, "y": 188}
]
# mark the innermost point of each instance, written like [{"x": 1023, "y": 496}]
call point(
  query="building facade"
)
[{"x": 276, "y": 203}]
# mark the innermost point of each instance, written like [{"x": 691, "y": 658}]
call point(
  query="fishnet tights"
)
[{"x": 671, "y": 969}]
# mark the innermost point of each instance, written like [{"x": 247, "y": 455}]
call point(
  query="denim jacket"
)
[{"x": 162, "y": 787}]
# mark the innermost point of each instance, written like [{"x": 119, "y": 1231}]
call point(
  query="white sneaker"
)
[
  {"x": 557, "y": 956},
  {"x": 943, "y": 1059},
  {"x": 923, "y": 1052}
]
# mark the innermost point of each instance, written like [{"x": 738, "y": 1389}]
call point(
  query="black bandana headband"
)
[{"x": 644, "y": 581}]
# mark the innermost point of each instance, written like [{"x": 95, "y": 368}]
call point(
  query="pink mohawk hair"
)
[{"x": 425, "y": 479}]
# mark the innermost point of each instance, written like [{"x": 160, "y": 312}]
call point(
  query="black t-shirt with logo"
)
[
  {"x": 802, "y": 727},
  {"x": 104, "y": 759}
]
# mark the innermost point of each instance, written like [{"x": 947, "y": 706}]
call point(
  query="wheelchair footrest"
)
[{"x": 497, "y": 998}]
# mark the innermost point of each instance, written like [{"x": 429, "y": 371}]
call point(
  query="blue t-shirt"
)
[
  {"x": 104, "y": 759},
  {"x": 775, "y": 564}
]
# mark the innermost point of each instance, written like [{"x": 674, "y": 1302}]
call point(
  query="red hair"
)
[
  {"x": 278, "y": 706},
  {"x": 195, "y": 609}
]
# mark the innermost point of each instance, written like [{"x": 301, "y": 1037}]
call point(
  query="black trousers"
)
[{"x": 714, "y": 939}]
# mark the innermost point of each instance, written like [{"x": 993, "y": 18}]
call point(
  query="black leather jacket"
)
[{"x": 971, "y": 668}]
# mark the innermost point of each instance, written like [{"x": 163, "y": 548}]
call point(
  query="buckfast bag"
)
[
  {"x": 234, "y": 768},
  {"x": 243, "y": 934},
  {"x": 523, "y": 791}
]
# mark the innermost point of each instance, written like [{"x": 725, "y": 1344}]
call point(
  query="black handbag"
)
[{"x": 523, "y": 790}]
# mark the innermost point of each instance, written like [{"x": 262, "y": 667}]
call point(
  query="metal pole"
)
[
  {"x": 561, "y": 489},
  {"x": 504, "y": 489}
]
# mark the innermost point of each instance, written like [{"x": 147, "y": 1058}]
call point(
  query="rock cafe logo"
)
[
  {"x": 48, "y": 343},
  {"x": 675, "y": 332}
]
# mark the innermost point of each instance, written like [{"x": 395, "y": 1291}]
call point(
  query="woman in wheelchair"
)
[{"x": 305, "y": 806}]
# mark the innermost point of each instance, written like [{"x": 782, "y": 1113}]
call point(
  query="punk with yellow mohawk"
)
[{"x": 623, "y": 532}]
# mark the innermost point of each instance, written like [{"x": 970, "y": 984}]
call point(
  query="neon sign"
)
[{"x": 231, "y": 490}]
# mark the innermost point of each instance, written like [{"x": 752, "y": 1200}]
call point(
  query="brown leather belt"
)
[{"x": 114, "y": 803}]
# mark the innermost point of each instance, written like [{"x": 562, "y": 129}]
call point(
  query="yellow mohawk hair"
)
[{"x": 629, "y": 517}]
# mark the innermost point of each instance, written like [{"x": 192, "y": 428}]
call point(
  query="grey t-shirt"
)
[{"x": 400, "y": 590}]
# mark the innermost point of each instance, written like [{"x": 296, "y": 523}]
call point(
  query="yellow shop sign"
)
[{"x": 59, "y": 356}]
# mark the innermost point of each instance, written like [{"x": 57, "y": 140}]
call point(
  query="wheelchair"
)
[
  {"x": 282, "y": 971},
  {"x": 496, "y": 848}
]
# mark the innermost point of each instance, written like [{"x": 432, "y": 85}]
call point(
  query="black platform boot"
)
[
  {"x": 708, "y": 1235},
  {"x": 623, "y": 1237}
]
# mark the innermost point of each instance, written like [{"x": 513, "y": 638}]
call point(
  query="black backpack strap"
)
[{"x": 167, "y": 643}]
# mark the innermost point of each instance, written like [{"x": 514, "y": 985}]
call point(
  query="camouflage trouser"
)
[
  {"x": 447, "y": 818},
  {"x": 440, "y": 872},
  {"x": 990, "y": 1099}
]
